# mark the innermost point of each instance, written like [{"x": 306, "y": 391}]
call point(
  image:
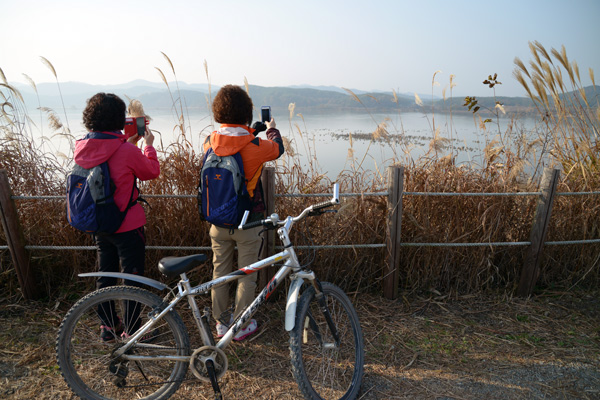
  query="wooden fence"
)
[{"x": 393, "y": 244}]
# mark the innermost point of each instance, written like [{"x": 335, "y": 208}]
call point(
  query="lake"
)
[{"x": 328, "y": 141}]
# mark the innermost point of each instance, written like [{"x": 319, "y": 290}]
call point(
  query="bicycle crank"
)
[
  {"x": 199, "y": 359},
  {"x": 120, "y": 372}
]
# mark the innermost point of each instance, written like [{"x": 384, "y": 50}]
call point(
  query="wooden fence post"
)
[
  {"x": 531, "y": 268},
  {"x": 16, "y": 240},
  {"x": 268, "y": 184},
  {"x": 395, "y": 188}
]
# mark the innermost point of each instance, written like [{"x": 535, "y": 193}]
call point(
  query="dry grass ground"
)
[{"x": 473, "y": 347}]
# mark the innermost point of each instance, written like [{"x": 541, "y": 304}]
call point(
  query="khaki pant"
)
[{"x": 223, "y": 246}]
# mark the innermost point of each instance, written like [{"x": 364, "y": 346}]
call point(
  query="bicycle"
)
[{"x": 151, "y": 351}]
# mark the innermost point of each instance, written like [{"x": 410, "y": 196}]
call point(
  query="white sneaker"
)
[
  {"x": 222, "y": 328},
  {"x": 247, "y": 331}
]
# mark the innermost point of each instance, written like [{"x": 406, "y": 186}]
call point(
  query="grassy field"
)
[{"x": 419, "y": 347}]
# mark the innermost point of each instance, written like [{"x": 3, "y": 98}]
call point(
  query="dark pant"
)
[{"x": 126, "y": 250}]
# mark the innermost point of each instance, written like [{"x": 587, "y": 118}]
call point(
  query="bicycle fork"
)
[
  {"x": 325, "y": 310},
  {"x": 298, "y": 279}
]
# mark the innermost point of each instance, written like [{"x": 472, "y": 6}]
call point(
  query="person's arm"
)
[
  {"x": 274, "y": 135},
  {"x": 146, "y": 166}
]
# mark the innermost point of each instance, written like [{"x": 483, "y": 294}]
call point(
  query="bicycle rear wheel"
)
[
  {"x": 323, "y": 368},
  {"x": 85, "y": 356}
]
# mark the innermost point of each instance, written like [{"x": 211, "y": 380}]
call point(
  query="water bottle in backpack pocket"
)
[{"x": 222, "y": 193}]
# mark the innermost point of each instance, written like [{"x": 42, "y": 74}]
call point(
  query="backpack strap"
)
[{"x": 140, "y": 199}]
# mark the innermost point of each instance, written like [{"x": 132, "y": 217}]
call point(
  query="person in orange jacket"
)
[{"x": 232, "y": 108}]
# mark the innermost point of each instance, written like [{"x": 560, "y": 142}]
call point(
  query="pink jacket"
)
[{"x": 125, "y": 162}]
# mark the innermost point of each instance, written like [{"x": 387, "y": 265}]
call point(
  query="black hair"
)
[{"x": 104, "y": 112}]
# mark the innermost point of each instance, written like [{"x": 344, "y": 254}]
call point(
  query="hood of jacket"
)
[
  {"x": 230, "y": 139},
  {"x": 94, "y": 148}
]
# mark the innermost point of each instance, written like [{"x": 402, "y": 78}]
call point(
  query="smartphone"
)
[
  {"x": 135, "y": 125},
  {"x": 141, "y": 125},
  {"x": 265, "y": 113}
]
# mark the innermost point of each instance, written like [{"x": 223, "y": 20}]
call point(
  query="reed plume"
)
[
  {"x": 48, "y": 64},
  {"x": 136, "y": 109},
  {"x": 571, "y": 122}
]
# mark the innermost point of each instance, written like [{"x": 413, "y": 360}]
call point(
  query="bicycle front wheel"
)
[
  {"x": 326, "y": 368},
  {"x": 99, "y": 324}
]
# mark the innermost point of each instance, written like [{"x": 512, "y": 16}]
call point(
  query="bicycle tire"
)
[
  {"x": 84, "y": 357},
  {"x": 330, "y": 371}
]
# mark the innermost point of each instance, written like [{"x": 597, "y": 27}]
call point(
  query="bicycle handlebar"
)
[
  {"x": 250, "y": 225},
  {"x": 273, "y": 220}
]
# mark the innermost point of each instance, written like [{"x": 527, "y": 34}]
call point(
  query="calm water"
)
[{"x": 324, "y": 140}]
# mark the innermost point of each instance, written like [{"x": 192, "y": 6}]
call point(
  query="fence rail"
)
[
  {"x": 334, "y": 246},
  {"x": 455, "y": 194},
  {"x": 394, "y": 194}
]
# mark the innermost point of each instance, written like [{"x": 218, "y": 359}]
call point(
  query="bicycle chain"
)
[{"x": 160, "y": 383}]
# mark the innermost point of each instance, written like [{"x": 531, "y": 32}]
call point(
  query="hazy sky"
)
[{"x": 367, "y": 45}]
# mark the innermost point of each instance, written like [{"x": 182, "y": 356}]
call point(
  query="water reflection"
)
[{"x": 332, "y": 143}]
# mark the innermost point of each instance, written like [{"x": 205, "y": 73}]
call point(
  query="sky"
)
[{"x": 366, "y": 45}]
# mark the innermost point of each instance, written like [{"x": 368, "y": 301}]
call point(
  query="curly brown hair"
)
[
  {"x": 232, "y": 105},
  {"x": 104, "y": 112}
]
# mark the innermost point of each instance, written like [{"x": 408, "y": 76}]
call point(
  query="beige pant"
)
[{"x": 223, "y": 246}]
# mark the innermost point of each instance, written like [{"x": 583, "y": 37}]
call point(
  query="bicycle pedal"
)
[
  {"x": 120, "y": 382},
  {"x": 119, "y": 370}
]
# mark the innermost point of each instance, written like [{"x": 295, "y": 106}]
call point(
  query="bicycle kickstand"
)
[{"x": 212, "y": 375}]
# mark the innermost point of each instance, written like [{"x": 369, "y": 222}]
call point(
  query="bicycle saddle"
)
[{"x": 173, "y": 266}]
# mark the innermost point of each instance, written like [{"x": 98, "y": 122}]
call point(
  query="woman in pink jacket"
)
[{"x": 104, "y": 116}]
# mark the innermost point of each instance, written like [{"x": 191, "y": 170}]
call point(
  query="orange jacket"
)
[{"x": 230, "y": 139}]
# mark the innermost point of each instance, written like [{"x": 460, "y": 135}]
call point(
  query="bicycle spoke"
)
[
  {"x": 88, "y": 362},
  {"x": 323, "y": 366}
]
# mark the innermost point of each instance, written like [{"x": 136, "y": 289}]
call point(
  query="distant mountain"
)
[
  {"x": 326, "y": 88},
  {"x": 515, "y": 104},
  {"x": 75, "y": 94},
  {"x": 324, "y": 101},
  {"x": 358, "y": 91},
  {"x": 156, "y": 95},
  {"x": 313, "y": 99}
]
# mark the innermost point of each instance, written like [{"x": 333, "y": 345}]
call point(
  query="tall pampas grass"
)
[
  {"x": 572, "y": 122},
  {"x": 48, "y": 64}
]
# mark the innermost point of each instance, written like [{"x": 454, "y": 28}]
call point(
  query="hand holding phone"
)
[
  {"x": 265, "y": 113},
  {"x": 141, "y": 126},
  {"x": 135, "y": 126}
]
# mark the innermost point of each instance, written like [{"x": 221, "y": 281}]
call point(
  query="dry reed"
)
[
  {"x": 360, "y": 220},
  {"x": 572, "y": 122}
]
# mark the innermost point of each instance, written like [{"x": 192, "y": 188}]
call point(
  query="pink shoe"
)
[
  {"x": 222, "y": 328},
  {"x": 247, "y": 331},
  {"x": 147, "y": 338},
  {"x": 108, "y": 334}
]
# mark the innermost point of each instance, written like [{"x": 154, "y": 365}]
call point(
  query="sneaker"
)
[
  {"x": 247, "y": 331},
  {"x": 222, "y": 328},
  {"x": 109, "y": 334}
]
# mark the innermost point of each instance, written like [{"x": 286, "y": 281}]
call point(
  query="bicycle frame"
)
[{"x": 185, "y": 289}]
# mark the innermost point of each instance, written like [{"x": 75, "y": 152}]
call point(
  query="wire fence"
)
[{"x": 346, "y": 246}]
